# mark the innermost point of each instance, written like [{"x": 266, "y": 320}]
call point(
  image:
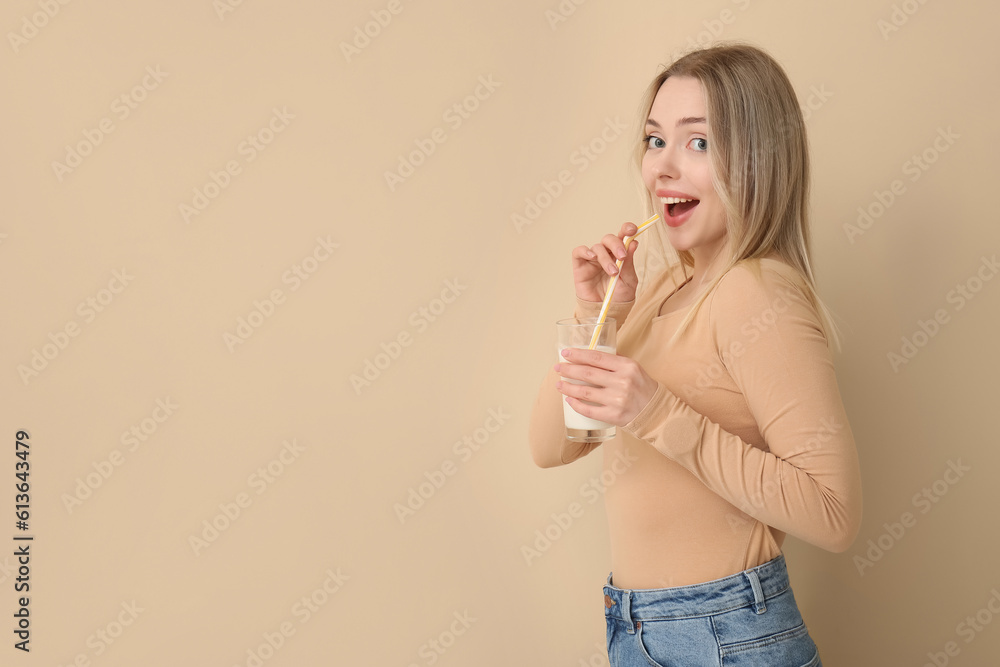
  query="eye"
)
[
  {"x": 647, "y": 138},
  {"x": 700, "y": 144}
]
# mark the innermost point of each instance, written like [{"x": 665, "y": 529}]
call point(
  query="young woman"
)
[{"x": 723, "y": 387}]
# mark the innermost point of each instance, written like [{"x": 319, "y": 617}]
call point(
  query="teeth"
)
[{"x": 674, "y": 200}]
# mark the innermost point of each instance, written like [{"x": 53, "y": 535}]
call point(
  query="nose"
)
[{"x": 664, "y": 164}]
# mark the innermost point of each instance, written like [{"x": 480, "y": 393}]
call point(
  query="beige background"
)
[{"x": 329, "y": 514}]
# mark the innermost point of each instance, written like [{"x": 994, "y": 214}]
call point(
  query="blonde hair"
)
[{"x": 760, "y": 163}]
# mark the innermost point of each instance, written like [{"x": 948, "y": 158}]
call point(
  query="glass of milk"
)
[{"x": 578, "y": 332}]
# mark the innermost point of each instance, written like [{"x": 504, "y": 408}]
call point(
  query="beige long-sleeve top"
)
[{"x": 745, "y": 440}]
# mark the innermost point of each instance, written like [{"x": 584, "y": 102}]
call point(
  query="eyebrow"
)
[{"x": 687, "y": 120}]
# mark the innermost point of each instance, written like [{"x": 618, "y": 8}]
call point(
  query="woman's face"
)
[{"x": 676, "y": 165}]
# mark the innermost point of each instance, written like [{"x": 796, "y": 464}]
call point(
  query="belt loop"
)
[
  {"x": 627, "y": 610},
  {"x": 758, "y": 594}
]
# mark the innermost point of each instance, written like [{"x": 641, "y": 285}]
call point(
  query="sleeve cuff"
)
[
  {"x": 617, "y": 310},
  {"x": 651, "y": 416},
  {"x": 664, "y": 424}
]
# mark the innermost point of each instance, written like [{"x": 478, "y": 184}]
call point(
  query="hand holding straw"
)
[{"x": 614, "y": 281}]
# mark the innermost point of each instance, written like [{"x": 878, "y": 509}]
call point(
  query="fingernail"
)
[
  {"x": 620, "y": 253},
  {"x": 611, "y": 269},
  {"x": 565, "y": 353}
]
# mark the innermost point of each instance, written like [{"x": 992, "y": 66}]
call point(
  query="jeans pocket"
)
[
  {"x": 642, "y": 645},
  {"x": 686, "y": 642},
  {"x": 610, "y": 622},
  {"x": 790, "y": 648}
]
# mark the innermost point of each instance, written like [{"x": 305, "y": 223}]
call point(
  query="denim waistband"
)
[{"x": 748, "y": 588}]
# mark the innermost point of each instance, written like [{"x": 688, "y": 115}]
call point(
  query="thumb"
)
[
  {"x": 632, "y": 249},
  {"x": 628, "y": 265}
]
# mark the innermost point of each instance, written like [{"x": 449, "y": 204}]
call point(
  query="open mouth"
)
[
  {"x": 677, "y": 206},
  {"x": 681, "y": 208}
]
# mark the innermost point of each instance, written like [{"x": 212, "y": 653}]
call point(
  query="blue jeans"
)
[{"x": 748, "y": 619}]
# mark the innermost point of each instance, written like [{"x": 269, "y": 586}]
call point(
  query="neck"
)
[{"x": 707, "y": 264}]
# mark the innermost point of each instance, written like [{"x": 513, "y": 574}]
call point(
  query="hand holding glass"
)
[{"x": 579, "y": 333}]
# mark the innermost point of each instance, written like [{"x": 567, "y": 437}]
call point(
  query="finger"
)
[
  {"x": 628, "y": 229},
  {"x": 602, "y": 257},
  {"x": 614, "y": 245},
  {"x": 628, "y": 266},
  {"x": 633, "y": 246},
  {"x": 587, "y": 408},
  {"x": 582, "y": 253},
  {"x": 582, "y": 392},
  {"x": 580, "y": 407},
  {"x": 604, "y": 360},
  {"x": 584, "y": 373}
]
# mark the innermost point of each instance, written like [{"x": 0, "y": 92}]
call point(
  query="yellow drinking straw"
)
[{"x": 614, "y": 281}]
